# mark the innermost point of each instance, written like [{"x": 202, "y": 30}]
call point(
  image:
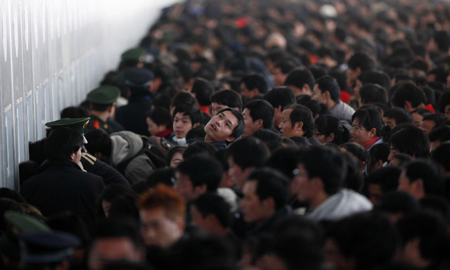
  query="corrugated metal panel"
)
[{"x": 52, "y": 52}]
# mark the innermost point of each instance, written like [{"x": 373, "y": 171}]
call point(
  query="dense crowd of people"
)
[{"x": 259, "y": 134}]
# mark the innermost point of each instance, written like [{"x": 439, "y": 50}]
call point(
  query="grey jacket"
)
[{"x": 343, "y": 111}]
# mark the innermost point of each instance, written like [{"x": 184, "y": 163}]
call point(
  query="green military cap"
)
[
  {"x": 17, "y": 224},
  {"x": 76, "y": 123},
  {"x": 134, "y": 54},
  {"x": 104, "y": 95}
]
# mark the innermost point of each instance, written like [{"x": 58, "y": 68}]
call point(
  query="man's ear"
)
[
  {"x": 259, "y": 123},
  {"x": 236, "y": 108},
  {"x": 196, "y": 125},
  {"x": 330, "y": 137},
  {"x": 327, "y": 94},
  {"x": 276, "y": 110},
  {"x": 268, "y": 203},
  {"x": 358, "y": 70},
  {"x": 255, "y": 91},
  {"x": 230, "y": 139},
  {"x": 317, "y": 183},
  {"x": 298, "y": 126},
  {"x": 417, "y": 186},
  {"x": 306, "y": 89},
  {"x": 408, "y": 106},
  {"x": 199, "y": 190}
]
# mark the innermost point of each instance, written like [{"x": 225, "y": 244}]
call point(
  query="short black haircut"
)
[
  {"x": 183, "y": 98},
  {"x": 280, "y": 96},
  {"x": 266, "y": 135},
  {"x": 370, "y": 118},
  {"x": 261, "y": 109},
  {"x": 408, "y": 92},
  {"x": 248, "y": 152},
  {"x": 203, "y": 91},
  {"x": 299, "y": 77},
  {"x": 172, "y": 151},
  {"x": 214, "y": 204},
  {"x": 328, "y": 83},
  {"x": 161, "y": 116},
  {"x": 62, "y": 143},
  {"x": 443, "y": 102},
  {"x": 74, "y": 112},
  {"x": 362, "y": 61},
  {"x": 194, "y": 168},
  {"x": 193, "y": 112},
  {"x": 239, "y": 129},
  {"x": 255, "y": 81},
  {"x": 100, "y": 107},
  {"x": 285, "y": 66},
  {"x": 356, "y": 149},
  {"x": 409, "y": 139},
  {"x": 98, "y": 142},
  {"x": 440, "y": 155},
  {"x": 428, "y": 172},
  {"x": 227, "y": 97},
  {"x": 199, "y": 147},
  {"x": 375, "y": 77},
  {"x": 378, "y": 152},
  {"x": 400, "y": 115},
  {"x": 326, "y": 163},
  {"x": 271, "y": 184},
  {"x": 301, "y": 113},
  {"x": 284, "y": 159},
  {"x": 387, "y": 177},
  {"x": 371, "y": 93},
  {"x": 118, "y": 228},
  {"x": 440, "y": 134},
  {"x": 436, "y": 118},
  {"x": 328, "y": 124}
]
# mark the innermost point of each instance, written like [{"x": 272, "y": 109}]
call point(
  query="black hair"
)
[
  {"x": 124, "y": 207},
  {"x": 280, "y": 96},
  {"x": 403, "y": 159},
  {"x": 189, "y": 110},
  {"x": 317, "y": 71},
  {"x": 356, "y": 149},
  {"x": 328, "y": 124},
  {"x": 255, "y": 81},
  {"x": 409, "y": 139},
  {"x": 199, "y": 147},
  {"x": 261, "y": 109},
  {"x": 440, "y": 155},
  {"x": 12, "y": 194},
  {"x": 239, "y": 129},
  {"x": 62, "y": 143},
  {"x": 196, "y": 133},
  {"x": 299, "y": 77},
  {"x": 227, "y": 97},
  {"x": 443, "y": 102},
  {"x": 183, "y": 98},
  {"x": 353, "y": 179},
  {"x": 408, "y": 92},
  {"x": 283, "y": 159},
  {"x": 426, "y": 171},
  {"x": 161, "y": 116},
  {"x": 172, "y": 151},
  {"x": 326, "y": 163},
  {"x": 248, "y": 152},
  {"x": 301, "y": 113},
  {"x": 328, "y": 83},
  {"x": 271, "y": 184},
  {"x": 400, "y": 115},
  {"x": 100, "y": 107},
  {"x": 214, "y": 204},
  {"x": 362, "y": 61},
  {"x": 98, "y": 142},
  {"x": 370, "y": 118},
  {"x": 203, "y": 91},
  {"x": 440, "y": 134},
  {"x": 266, "y": 135},
  {"x": 74, "y": 112},
  {"x": 26, "y": 170},
  {"x": 367, "y": 238},
  {"x": 109, "y": 194},
  {"x": 378, "y": 152},
  {"x": 70, "y": 223},
  {"x": 165, "y": 176},
  {"x": 315, "y": 107},
  {"x": 436, "y": 118},
  {"x": 373, "y": 93},
  {"x": 375, "y": 77},
  {"x": 118, "y": 228},
  {"x": 285, "y": 66},
  {"x": 194, "y": 168},
  {"x": 386, "y": 177}
]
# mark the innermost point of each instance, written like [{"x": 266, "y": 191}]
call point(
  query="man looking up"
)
[{"x": 224, "y": 128}]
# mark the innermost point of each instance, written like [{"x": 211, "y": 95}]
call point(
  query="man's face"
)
[
  {"x": 157, "y": 229},
  {"x": 76, "y": 157},
  {"x": 108, "y": 250},
  {"x": 427, "y": 126},
  {"x": 153, "y": 128},
  {"x": 375, "y": 193},
  {"x": 390, "y": 122},
  {"x": 351, "y": 77},
  {"x": 199, "y": 221},
  {"x": 220, "y": 126},
  {"x": 417, "y": 119},
  {"x": 305, "y": 193},
  {"x": 181, "y": 125},
  {"x": 216, "y": 107},
  {"x": 250, "y": 126},
  {"x": 278, "y": 77},
  {"x": 247, "y": 92},
  {"x": 318, "y": 96},
  {"x": 238, "y": 176},
  {"x": 404, "y": 184},
  {"x": 252, "y": 208},
  {"x": 286, "y": 128},
  {"x": 185, "y": 189}
]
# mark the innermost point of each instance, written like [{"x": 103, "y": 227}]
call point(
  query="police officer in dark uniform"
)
[
  {"x": 133, "y": 115},
  {"x": 102, "y": 104},
  {"x": 88, "y": 162}
]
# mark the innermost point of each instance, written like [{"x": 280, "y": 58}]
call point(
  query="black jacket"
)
[{"x": 132, "y": 116}]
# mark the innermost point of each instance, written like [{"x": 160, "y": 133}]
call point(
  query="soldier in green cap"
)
[
  {"x": 103, "y": 108},
  {"x": 17, "y": 223}
]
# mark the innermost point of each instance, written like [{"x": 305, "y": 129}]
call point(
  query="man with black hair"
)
[
  {"x": 408, "y": 139},
  {"x": 182, "y": 98},
  {"x": 320, "y": 175},
  {"x": 438, "y": 136},
  {"x": 202, "y": 91},
  {"x": 301, "y": 81},
  {"x": 257, "y": 114},
  {"x": 225, "y": 99},
  {"x": 382, "y": 181},
  {"x": 357, "y": 64},
  {"x": 372, "y": 93},
  {"x": 279, "y": 98},
  {"x": 396, "y": 116},
  {"x": 326, "y": 91},
  {"x": 211, "y": 213},
  {"x": 410, "y": 97},
  {"x": 265, "y": 198},
  {"x": 281, "y": 71},
  {"x": 440, "y": 156},
  {"x": 132, "y": 116},
  {"x": 297, "y": 121},
  {"x": 444, "y": 104},
  {"x": 60, "y": 184},
  {"x": 224, "y": 128},
  {"x": 253, "y": 85},
  {"x": 243, "y": 156},
  {"x": 115, "y": 240},
  {"x": 102, "y": 105},
  {"x": 429, "y": 122},
  {"x": 159, "y": 122},
  {"x": 185, "y": 118},
  {"x": 420, "y": 178}
]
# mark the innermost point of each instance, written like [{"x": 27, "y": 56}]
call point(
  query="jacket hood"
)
[{"x": 125, "y": 144}]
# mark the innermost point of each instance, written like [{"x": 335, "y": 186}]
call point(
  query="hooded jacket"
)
[{"x": 127, "y": 145}]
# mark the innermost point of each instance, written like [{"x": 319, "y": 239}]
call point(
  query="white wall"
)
[{"x": 52, "y": 52}]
